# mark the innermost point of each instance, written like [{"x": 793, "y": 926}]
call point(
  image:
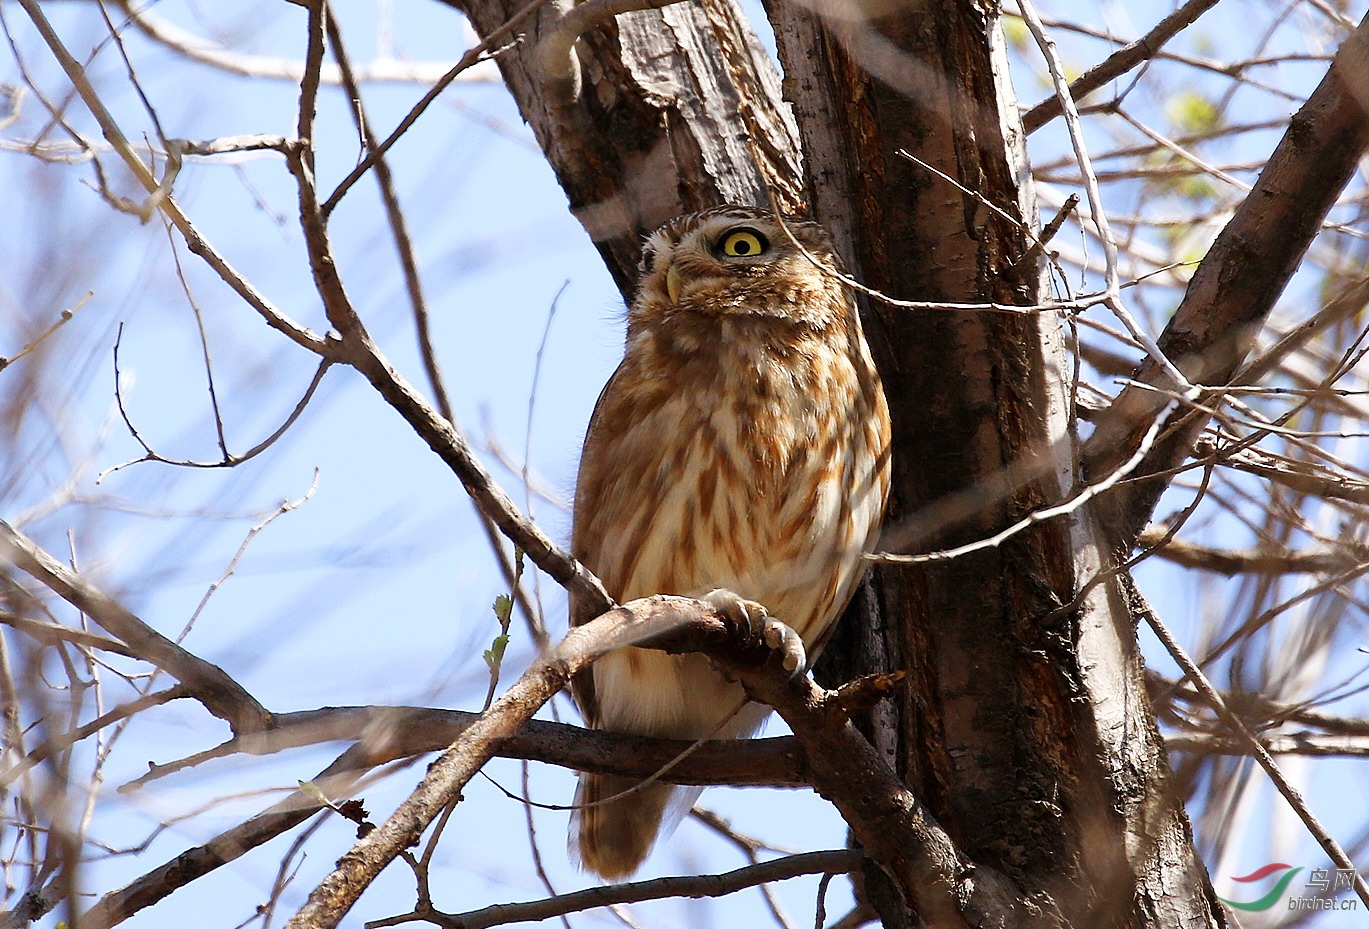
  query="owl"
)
[{"x": 740, "y": 450}]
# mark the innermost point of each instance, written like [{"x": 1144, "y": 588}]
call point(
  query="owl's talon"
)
[
  {"x": 756, "y": 621},
  {"x": 744, "y": 615},
  {"x": 783, "y": 639}
]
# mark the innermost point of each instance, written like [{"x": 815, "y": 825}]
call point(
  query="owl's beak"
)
[{"x": 673, "y": 283}]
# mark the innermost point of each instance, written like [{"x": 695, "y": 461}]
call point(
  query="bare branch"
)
[
  {"x": 1119, "y": 62},
  {"x": 165, "y": 201},
  {"x": 62, "y": 318},
  {"x": 469, "y": 60},
  {"x": 1321, "y": 560},
  {"x": 1214, "y": 699},
  {"x": 192, "y": 864},
  {"x": 1077, "y": 500},
  {"x": 208, "y": 683},
  {"x": 62, "y": 741},
  {"x": 839, "y": 861},
  {"x": 1235, "y": 286},
  {"x": 894, "y": 828},
  {"x": 1305, "y": 479},
  {"x": 228, "y": 459},
  {"x": 1307, "y": 744},
  {"x": 390, "y": 733},
  {"x": 630, "y": 624},
  {"x": 204, "y": 51}
]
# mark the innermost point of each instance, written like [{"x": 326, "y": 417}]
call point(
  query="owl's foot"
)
[{"x": 755, "y": 620}]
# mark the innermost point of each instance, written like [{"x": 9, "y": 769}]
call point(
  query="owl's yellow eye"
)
[{"x": 743, "y": 243}]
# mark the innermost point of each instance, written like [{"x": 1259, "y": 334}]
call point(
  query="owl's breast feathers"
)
[{"x": 747, "y": 451}]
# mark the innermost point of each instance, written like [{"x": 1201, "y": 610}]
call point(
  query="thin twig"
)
[
  {"x": 1089, "y": 492},
  {"x": 1266, "y": 761},
  {"x": 62, "y": 318},
  {"x": 208, "y": 683},
  {"x": 1113, "y": 300},
  {"x": 1119, "y": 62},
  {"x": 65, "y": 740},
  {"x": 167, "y": 204},
  {"x": 382, "y": 69},
  {"x": 468, "y": 60},
  {"x": 229, "y": 459}
]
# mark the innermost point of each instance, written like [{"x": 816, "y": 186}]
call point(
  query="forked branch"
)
[{"x": 895, "y": 829}]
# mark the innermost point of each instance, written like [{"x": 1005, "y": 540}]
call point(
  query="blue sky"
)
[{"x": 379, "y": 588}]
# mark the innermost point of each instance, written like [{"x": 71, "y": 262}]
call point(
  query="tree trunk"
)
[
  {"x": 1025, "y": 727},
  {"x": 668, "y": 102}
]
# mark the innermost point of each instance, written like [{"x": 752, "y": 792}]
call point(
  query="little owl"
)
[{"x": 739, "y": 453}]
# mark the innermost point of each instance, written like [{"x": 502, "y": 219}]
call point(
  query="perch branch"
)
[{"x": 890, "y": 823}]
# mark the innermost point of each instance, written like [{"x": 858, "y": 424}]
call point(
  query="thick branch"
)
[
  {"x": 891, "y": 824},
  {"x": 389, "y": 733},
  {"x": 1236, "y": 285},
  {"x": 1303, "y": 479}
]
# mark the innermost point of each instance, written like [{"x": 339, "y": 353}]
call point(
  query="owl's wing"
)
[
  {"x": 587, "y": 482},
  {"x": 581, "y": 612}
]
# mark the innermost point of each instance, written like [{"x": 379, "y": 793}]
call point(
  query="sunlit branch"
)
[
  {"x": 1119, "y": 62},
  {"x": 220, "y": 693},
  {"x": 704, "y": 885},
  {"x": 1299, "y": 806}
]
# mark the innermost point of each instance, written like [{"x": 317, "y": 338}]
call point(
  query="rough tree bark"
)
[{"x": 1025, "y": 729}]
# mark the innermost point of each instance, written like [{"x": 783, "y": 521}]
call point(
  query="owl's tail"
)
[{"x": 614, "y": 837}]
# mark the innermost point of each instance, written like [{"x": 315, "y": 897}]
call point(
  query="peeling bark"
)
[{"x": 660, "y": 126}]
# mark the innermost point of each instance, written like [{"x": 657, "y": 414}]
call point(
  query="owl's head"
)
[{"x": 738, "y": 259}]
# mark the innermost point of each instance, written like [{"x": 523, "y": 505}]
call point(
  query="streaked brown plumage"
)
[{"x": 742, "y": 444}]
